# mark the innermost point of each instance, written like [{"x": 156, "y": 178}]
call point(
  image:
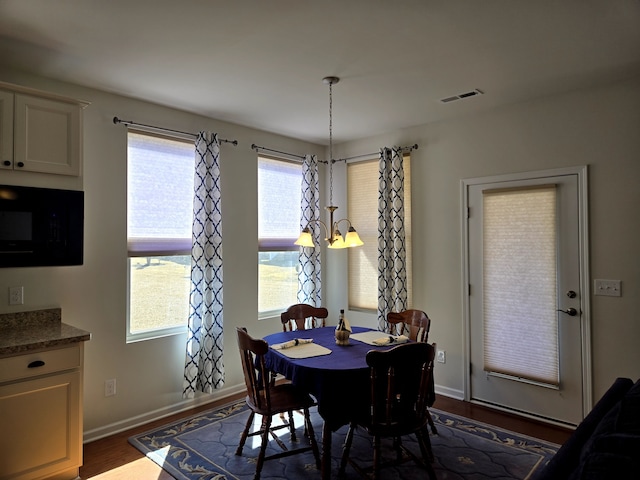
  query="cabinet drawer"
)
[{"x": 39, "y": 363}]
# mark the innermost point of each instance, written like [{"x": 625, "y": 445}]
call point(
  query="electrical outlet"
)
[
  {"x": 16, "y": 295},
  {"x": 441, "y": 356},
  {"x": 110, "y": 387}
]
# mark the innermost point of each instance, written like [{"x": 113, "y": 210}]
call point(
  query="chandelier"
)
[{"x": 334, "y": 236}]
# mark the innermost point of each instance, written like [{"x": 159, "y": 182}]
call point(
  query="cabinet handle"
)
[
  {"x": 20, "y": 164},
  {"x": 36, "y": 364},
  {"x": 7, "y": 163}
]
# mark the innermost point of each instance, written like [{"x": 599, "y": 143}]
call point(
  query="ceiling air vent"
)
[{"x": 460, "y": 96}]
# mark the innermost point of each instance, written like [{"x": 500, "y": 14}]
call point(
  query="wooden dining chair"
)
[
  {"x": 301, "y": 314},
  {"x": 414, "y": 324},
  {"x": 400, "y": 384},
  {"x": 267, "y": 399}
]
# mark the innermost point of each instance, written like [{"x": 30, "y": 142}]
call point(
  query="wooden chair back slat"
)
[
  {"x": 298, "y": 315},
  {"x": 415, "y": 324},
  {"x": 256, "y": 375},
  {"x": 400, "y": 384}
]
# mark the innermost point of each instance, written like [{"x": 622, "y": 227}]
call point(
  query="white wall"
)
[
  {"x": 93, "y": 296},
  {"x": 597, "y": 127}
]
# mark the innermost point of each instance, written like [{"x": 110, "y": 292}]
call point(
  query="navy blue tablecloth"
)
[{"x": 339, "y": 381}]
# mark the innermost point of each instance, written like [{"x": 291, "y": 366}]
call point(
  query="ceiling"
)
[{"x": 260, "y": 63}]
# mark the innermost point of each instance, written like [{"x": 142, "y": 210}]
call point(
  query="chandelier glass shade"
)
[
  {"x": 333, "y": 235},
  {"x": 335, "y": 240}
]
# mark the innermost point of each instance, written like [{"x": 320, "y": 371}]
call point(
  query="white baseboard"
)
[
  {"x": 126, "y": 424},
  {"x": 203, "y": 399},
  {"x": 449, "y": 392}
]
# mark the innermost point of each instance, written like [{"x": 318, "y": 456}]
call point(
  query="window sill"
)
[{"x": 153, "y": 334}]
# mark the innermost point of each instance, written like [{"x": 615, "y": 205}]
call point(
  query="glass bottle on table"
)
[{"x": 342, "y": 331}]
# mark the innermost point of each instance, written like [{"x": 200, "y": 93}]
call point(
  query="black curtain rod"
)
[
  {"x": 257, "y": 147},
  {"x": 116, "y": 120},
  {"x": 292, "y": 155},
  {"x": 408, "y": 148}
]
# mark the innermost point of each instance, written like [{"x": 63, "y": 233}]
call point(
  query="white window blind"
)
[
  {"x": 159, "y": 195},
  {"x": 160, "y": 173},
  {"x": 519, "y": 291},
  {"x": 279, "y": 197},
  {"x": 362, "y": 200}
]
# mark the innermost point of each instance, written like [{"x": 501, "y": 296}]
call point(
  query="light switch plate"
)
[{"x": 609, "y": 288}]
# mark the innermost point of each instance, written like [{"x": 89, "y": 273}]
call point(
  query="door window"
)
[{"x": 519, "y": 294}]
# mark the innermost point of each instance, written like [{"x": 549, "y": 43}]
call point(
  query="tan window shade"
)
[
  {"x": 362, "y": 199},
  {"x": 519, "y": 291}
]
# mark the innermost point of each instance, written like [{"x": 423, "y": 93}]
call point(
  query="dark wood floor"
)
[{"x": 112, "y": 458}]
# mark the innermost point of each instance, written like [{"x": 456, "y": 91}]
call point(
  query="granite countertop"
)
[{"x": 24, "y": 332}]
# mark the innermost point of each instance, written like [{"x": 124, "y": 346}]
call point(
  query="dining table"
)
[{"x": 336, "y": 375}]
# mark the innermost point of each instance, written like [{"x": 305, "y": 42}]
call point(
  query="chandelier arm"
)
[
  {"x": 335, "y": 224},
  {"x": 326, "y": 229}
]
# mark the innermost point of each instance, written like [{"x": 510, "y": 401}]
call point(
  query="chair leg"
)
[
  {"x": 376, "y": 457},
  {"x": 266, "y": 426},
  {"x": 312, "y": 437},
  {"x": 425, "y": 446},
  {"x": 245, "y": 433},
  {"x": 428, "y": 445},
  {"x": 292, "y": 427},
  {"x": 431, "y": 424},
  {"x": 397, "y": 445},
  {"x": 345, "y": 449}
]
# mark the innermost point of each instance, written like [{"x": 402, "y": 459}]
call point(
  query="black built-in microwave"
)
[{"x": 40, "y": 226}]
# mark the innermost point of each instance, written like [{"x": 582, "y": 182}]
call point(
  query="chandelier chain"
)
[
  {"x": 334, "y": 237},
  {"x": 330, "y": 143}
]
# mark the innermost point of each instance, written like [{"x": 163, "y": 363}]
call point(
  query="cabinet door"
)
[
  {"x": 47, "y": 135},
  {"x": 41, "y": 429},
  {"x": 6, "y": 130}
]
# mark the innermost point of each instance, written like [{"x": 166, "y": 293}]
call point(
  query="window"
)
[
  {"x": 362, "y": 203},
  {"x": 279, "y": 197},
  {"x": 160, "y": 174}
]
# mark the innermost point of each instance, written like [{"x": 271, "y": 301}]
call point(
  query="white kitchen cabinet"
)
[
  {"x": 40, "y": 132},
  {"x": 6, "y": 129},
  {"x": 41, "y": 414}
]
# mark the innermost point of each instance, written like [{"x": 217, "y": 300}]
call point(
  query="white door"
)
[{"x": 526, "y": 299}]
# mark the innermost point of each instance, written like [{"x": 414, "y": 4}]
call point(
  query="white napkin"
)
[
  {"x": 291, "y": 343},
  {"x": 391, "y": 340}
]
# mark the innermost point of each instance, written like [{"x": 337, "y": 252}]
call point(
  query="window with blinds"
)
[
  {"x": 362, "y": 205},
  {"x": 160, "y": 171},
  {"x": 520, "y": 288},
  {"x": 279, "y": 197}
]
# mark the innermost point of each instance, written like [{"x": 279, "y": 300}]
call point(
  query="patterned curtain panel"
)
[
  {"x": 392, "y": 250},
  {"x": 204, "y": 369},
  {"x": 309, "y": 277}
]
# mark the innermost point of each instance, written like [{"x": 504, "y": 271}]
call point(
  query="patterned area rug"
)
[{"x": 203, "y": 447}]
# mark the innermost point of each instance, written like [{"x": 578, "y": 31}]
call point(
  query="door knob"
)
[{"x": 572, "y": 312}]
